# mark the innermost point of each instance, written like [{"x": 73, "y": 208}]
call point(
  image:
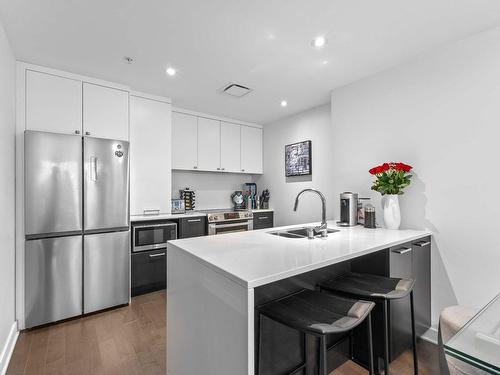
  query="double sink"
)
[{"x": 300, "y": 232}]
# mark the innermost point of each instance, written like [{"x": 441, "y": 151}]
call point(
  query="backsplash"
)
[{"x": 213, "y": 190}]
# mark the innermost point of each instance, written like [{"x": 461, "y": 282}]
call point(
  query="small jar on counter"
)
[{"x": 370, "y": 216}]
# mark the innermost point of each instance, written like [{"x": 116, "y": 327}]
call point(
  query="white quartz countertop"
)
[
  {"x": 256, "y": 258},
  {"x": 166, "y": 216},
  {"x": 134, "y": 218}
]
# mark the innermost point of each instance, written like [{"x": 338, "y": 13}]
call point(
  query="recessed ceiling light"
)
[
  {"x": 319, "y": 42},
  {"x": 284, "y": 103},
  {"x": 171, "y": 71}
]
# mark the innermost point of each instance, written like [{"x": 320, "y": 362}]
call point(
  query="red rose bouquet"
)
[{"x": 391, "y": 178}]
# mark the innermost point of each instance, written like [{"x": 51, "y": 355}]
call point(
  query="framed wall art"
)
[{"x": 298, "y": 159}]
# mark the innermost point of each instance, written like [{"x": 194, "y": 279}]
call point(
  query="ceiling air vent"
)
[{"x": 235, "y": 90}]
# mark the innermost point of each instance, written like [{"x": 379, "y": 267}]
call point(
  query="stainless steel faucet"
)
[{"x": 323, "y": 227}]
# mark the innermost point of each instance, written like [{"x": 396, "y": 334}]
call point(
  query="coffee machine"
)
[{"x": 348, "y": 209}]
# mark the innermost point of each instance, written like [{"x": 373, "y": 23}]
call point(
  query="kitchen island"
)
[{"x": 214, "y": 283}]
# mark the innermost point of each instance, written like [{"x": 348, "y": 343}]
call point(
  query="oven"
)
[
  {"x": 152, "y": 236},
  {"x": 229, "y": 222}
]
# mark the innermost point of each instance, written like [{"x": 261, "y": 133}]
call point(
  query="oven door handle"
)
[{"x": 220, "y": 226}]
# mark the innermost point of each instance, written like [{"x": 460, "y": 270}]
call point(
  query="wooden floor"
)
[{"x": 131, "y": 341}]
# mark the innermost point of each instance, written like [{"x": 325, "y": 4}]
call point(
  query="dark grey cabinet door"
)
[
  {"x": 422, "y": 289},
  {"x": 192, "y": 227},
  {"x": 149, "y": 271},
  {"x": 263, "y": 220},
  {"x": 400, "y": 266}
]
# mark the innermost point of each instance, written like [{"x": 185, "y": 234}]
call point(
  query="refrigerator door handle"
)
[{"x": 93, "y": 168}]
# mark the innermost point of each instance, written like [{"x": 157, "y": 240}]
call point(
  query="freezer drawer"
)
[
  {"x": 106, "y": 270},
  {"x": 53, "y": 192},
  {"x": 53, "y": 279},
  {"x": 106, "y": 184}
]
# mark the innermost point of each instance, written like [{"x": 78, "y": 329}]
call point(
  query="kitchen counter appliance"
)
[
  {"x": 152, "y": 236},
  {"x": 348, "y": 209},
  {"x": 77, "y": 225},
  {"x": 238, "y": 200},
  {"x": 226, "y": 221}
]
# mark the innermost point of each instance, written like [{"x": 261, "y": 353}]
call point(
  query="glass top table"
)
[{"x": 478, "y": 342}]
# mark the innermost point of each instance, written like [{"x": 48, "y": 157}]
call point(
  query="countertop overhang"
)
[{"x": 256, "y": 258}]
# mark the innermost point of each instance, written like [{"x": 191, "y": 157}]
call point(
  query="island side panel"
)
[{"x": 210, "y": 320}]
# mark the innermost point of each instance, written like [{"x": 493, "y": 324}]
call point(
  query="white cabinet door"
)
[
  {"x": 251, "y": 149},
  {"x": 105, "y": 112},
  {"x": 208, "y": 144},
  {"x": 150, "y": 155},
  {"x": 184, "y": 141},
  {"x": 53, "y": 103},
  {"x": 230, "y": 147}
]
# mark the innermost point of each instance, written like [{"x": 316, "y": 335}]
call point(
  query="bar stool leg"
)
[
  {"x": 323, "y": 370},
  {"x": 351, "y": 344},
  {"x": 386, "y": 338},
  {"x": 258, "y": 323},
  {"x": 414, "y": 335},
  {"x": 370, "y": 345}
]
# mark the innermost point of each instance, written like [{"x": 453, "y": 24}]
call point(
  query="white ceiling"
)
[{"x": 264, "y": 44}]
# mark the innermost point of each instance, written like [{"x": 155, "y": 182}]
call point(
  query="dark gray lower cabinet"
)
[
  {"x": 149, "y": 271},
  {"x": 263, "y": 220},
  {"x": 409, "y": 260},
  {"x": 192, "y": 227}
]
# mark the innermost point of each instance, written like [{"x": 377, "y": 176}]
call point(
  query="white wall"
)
[
  {"x": 7, "y": 198},
  {"x": 213, "y": 190},
  {"x": 314, "y": 125},
  {"x": 441, "y": 114}
]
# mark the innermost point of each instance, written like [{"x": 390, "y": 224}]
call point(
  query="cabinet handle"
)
[
  {"x": 87, "y": 133},
  {"x": 263, "y": 217},
  {"x": 195, "y": 167},
  {"x": 243, "y": 170},
  {"x": 403, "y": 250},
  {"x": 77, "y": 131},
  {"x": 218, "y": 169},
  {"x": 194, "y": 221},
  {"x": 151, "y": 211},
  {"x": 156, "y": 255},
  {"x": 422, "y": 244},
  {"x": 223, "y": 169}
]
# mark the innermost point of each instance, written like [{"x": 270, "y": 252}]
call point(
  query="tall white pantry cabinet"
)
[{"x": 150, "y": 154}]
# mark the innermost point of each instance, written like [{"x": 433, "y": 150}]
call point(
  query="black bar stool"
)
[
  {"x": 377, "y": 288},
  {"x": 317, "y": 314}
]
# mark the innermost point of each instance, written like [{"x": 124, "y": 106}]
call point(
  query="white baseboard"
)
[
  {"x": 431, "y": 335},
  {"x": 8, "y": 348}
]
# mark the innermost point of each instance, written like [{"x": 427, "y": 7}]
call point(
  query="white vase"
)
[{"x": 392, "y": 212}]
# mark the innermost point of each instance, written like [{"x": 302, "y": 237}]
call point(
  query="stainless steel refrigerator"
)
[{"x": 76, "y": 225}]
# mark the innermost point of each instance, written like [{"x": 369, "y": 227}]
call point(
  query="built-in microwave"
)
[{"x": 152, "y": 236}]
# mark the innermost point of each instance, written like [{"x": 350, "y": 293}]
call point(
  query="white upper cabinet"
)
[
  {"x": 105, "y": 112},
  {"x": 230, "y": 146},
  {"x": 251, "y": 149},
  {"x": 208, "y": 144},
  {"x": 53, "y": 103},
  {"x": 184, "y": 141},
  {"x": 150, "y": 155}
]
